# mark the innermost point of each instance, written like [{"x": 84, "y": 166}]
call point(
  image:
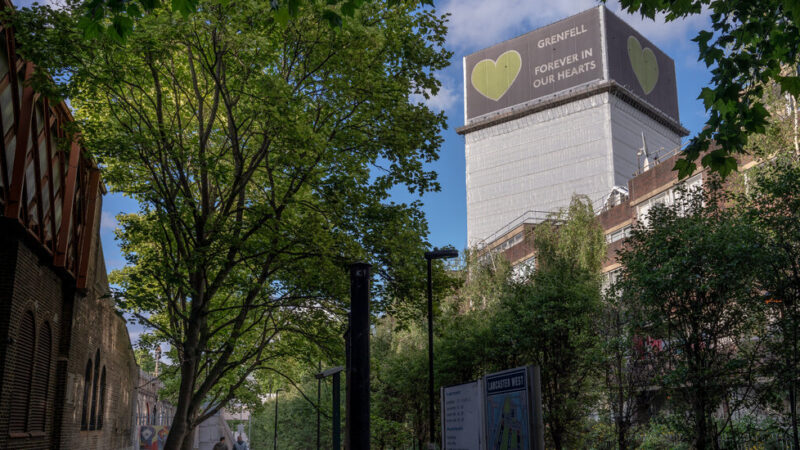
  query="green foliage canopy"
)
[
  {"x": 261, "y": 155},
  {"x": 750, "y": 44},
  {"x": 688, "y": 270}
]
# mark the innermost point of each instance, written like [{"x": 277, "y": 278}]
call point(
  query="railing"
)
[{"x": 528, "y": 217}]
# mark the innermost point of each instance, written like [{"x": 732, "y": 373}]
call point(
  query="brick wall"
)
[
  {"x": 96, "y": 326},
  {"x": 28, "y": 285},
  {"x": 82, "y": 324}
]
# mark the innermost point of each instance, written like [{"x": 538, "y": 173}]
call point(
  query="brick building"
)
[
  {"x": 151, "y": 409},
  {"x": 67, "y": 368},
  {"x": 621, "y": 208}
]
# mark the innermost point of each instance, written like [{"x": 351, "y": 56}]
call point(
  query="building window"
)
[
  {"x": 93, "y": 417},
  {"x": 87, "y": 386},
  {"x": 41, "y": 380},
  {"x": 609, "y": 280},
  {"x": 23, "y": 368},
  {"x": 668, "y": 198},
  {"x": 622, "y": 233},
  {"x": 102, "y": 402}
]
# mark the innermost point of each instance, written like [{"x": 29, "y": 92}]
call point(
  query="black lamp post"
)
[
  {"x": 429, "y": 256},
  {"x": 275, "y": 439},
  {"x": 334, "y": 372}
]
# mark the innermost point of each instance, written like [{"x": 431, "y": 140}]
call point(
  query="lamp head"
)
[{"x": 444, "y": 253}]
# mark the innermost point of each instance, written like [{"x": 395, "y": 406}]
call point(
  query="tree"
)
[
  {"x": 750, "y": 44},
  {"x": 630, "y": 364},
  {"x": 548, "y": 318},
  {"x": 261, "y": 156},
  {"x": 772, "y": 202},
  {"x": 115, "y": 18},
  {"x": 400, "y": 394},
  {"x": 690, "y": 273},
  {"x": 145, "y": 360}
]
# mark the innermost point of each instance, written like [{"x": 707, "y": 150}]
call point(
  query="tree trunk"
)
[
  {"x": 558, "y": 438},
  {"x": 793, "y": 412},
  {"x": 185, "y": 411},
  {"x": 793, "y": 374},
  {"x": 177, "y": 433},
  {"x": 700, "y": 429},
  {"x": 188, "y": 441}
]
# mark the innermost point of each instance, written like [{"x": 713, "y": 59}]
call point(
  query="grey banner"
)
[
  {"x": 567, "y": 54},
  {"x": 638, "y": 65},
  {"x": 548, "y": 60}
]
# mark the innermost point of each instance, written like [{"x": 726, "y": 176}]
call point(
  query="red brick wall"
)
[
  {"x": 97, "y": 326},
  {"x": 82, "y": 323}
]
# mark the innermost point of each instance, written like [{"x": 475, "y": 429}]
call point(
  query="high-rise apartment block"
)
[{"x": 562, "y": 110}]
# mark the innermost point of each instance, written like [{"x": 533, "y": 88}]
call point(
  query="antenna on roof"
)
[{"x": 643, "y": 152}]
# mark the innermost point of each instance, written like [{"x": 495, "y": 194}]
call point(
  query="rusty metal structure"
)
[{"x": 49, "y": 185}]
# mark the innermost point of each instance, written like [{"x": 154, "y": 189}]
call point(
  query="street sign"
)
[
  {"x": 501, "y": 411},
  {"x": 462, "y": 417},
  {"x": 513, "y": 410}
]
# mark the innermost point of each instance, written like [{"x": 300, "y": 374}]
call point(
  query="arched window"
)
[
  {"x": 41, "y": 380},
  {"x": 23, "y": 366},
  {"x": 93, "y": 417},
  {"x": 102, "y": 401},
  {"x": 87, "y": 388}
]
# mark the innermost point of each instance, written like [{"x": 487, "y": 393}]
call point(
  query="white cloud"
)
[
  {"x": 677, "y": 33},
  {"x": 446, "y": 98},
  {"x": 108, "y": 222},
  {"x": 476, "y": 24}
]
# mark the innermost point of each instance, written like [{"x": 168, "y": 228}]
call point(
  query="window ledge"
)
[{"x": 26, "y": 434}]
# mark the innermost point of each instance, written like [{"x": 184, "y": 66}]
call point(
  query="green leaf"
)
[
  {"x": 790, "y": 84},
  {"x": 684, "y": 167},
  {"x": 708, "y": 96},
  {"x": 333, "y": 19},
  {"x": 150, "y": 5},
  {"x": 293, "y": 6},
  {"x": 348, "y": 8},
  {"x": 133, "y": 10},
  {"x": 122, "y": 26},
  {"x": 282, "y": 16},
  {"x": 185, "y": 7},
  {"x": 91, "y": 28}
]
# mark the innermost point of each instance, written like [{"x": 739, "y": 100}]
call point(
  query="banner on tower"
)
[{"x": 591, "y": 46}]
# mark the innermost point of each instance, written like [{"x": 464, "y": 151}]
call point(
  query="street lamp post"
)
[
  {"x": 429, "y": 256},
  {"x": 275, "y": 439},
  {"x": 334, "y": 372},
  {"x": 319, "y": 400}
]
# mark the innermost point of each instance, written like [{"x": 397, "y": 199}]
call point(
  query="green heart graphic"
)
[
  {"x": 644, "y": 64},
  {"x": 493, "y": 78}
]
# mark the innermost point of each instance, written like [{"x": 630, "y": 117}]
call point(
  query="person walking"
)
[
  {"x": 240, "y": 444},
  {"x": 221, "y": 445}
]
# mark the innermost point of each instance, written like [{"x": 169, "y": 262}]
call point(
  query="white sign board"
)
[{"x": 462, "y": 417}]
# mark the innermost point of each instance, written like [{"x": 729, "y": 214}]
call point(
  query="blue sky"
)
[{"x": 476, "y": 24}]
